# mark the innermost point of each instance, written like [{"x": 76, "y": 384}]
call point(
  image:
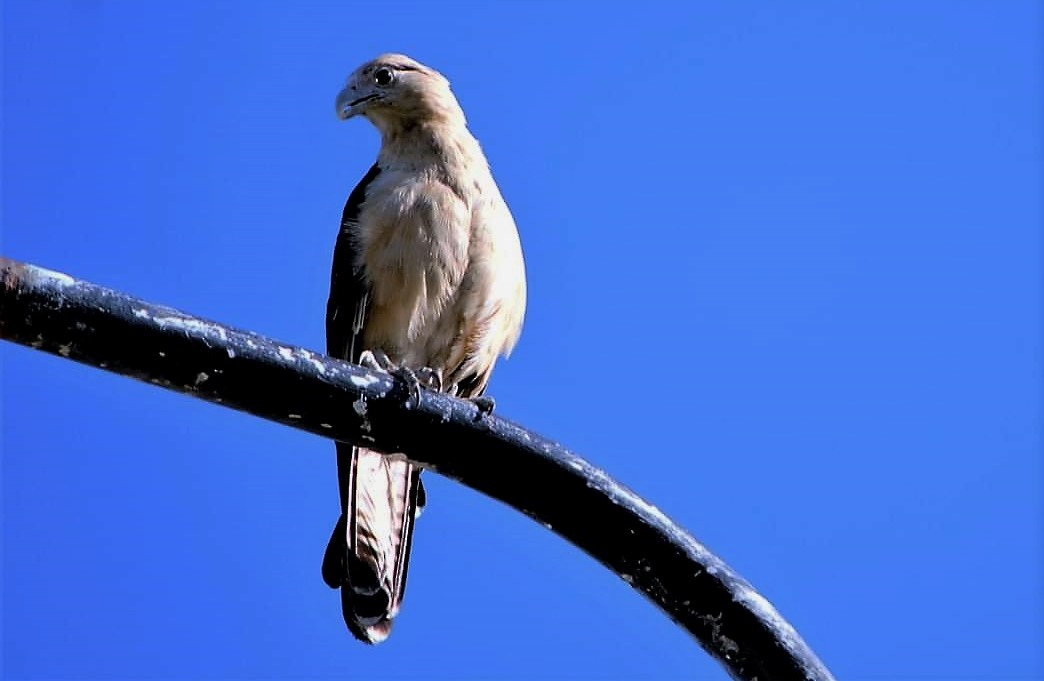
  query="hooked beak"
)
[{"x": 350, "y": 104}]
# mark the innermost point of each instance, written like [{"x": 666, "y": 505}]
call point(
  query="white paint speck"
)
[
  {"x": 286, "y": 353},
  {"x": 293, "y": 416},
  {"x": 326, "y": 425},
  {"x": 64, "y": 350},
  {"x": 201, "y": 377},
  {"x": 162, "y": 354},
  {"x": 187, "y": 325},
  {"x": 628, "y": 578},
  {"x": 363, "y": 381}
]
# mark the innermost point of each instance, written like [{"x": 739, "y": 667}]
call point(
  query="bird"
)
[{"x": 428, "y": 281}]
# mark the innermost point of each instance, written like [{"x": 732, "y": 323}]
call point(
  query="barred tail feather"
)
[{"x": 368, "y": 555}]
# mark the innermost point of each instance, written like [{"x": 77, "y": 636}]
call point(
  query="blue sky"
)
[{"x": 785, "y": 282}]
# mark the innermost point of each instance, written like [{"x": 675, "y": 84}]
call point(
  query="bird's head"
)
[{"x": 396, "y": 91}]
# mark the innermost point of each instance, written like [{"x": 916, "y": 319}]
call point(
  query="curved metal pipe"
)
[{"x": 104, "y": 328}]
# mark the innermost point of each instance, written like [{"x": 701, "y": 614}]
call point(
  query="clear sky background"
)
[{"x": 785, "y": 282}]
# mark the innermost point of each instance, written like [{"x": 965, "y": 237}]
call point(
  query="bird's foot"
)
[
  {"x": 431, "y": 378},
  {"x": 425, "y": 377},
  {"x": 376, "y": 360},
  {"x": 485, "y": 404},
  {"x": 415, "y": 379},
  {"x": 413, "y": 384}
]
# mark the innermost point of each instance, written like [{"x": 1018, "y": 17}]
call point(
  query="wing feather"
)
[{"x": 368, "y": 554}]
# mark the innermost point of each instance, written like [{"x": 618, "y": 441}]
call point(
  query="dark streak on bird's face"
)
[
  {"x": 394, "y": 88},
  {"x": 376, "y": 84}
]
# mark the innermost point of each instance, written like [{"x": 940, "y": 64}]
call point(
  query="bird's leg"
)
[{"x": 485, "y": 403}]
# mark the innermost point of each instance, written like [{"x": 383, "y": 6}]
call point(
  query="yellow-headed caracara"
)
[{"x": 428, "y": 281}]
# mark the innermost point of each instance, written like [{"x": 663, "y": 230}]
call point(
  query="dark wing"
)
[
  {"x": 368, "y": 554},
  {"x": 349, "y": 292}
]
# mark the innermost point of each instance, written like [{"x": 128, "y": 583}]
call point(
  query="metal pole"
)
[{"x": 110, "y": 330}]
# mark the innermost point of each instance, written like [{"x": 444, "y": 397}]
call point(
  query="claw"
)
[
  {"x": 413, "y": 384},
  {"x": 376, "y": 360},
  {"x": 427, "y": 377},
  {"x": 485, "y": 404},
  {"x": 431, "y": 378}
]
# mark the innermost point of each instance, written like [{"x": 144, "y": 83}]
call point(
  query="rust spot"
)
[{"x": 14, "y": 273}]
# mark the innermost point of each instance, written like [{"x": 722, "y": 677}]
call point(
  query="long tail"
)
[{"x": 369, "y": 553}]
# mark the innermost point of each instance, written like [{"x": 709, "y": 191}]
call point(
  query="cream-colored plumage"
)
[{"x": 428, "y": 270}]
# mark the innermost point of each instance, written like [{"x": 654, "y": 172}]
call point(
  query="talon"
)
[
  {"x": 431, "y": 378},
  {"x": 367, "y": 360},
  {"x": 485, "y": 404},
  {"x": 376, "y": 360},
  {"x": 413, "y": 384}
]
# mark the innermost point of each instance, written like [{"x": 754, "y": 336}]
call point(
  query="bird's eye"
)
[{"x": 382, "y": 76}]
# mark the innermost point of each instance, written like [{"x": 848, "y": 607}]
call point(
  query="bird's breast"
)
[{"x": 413, "y": 239}]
